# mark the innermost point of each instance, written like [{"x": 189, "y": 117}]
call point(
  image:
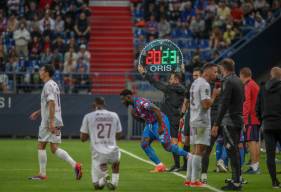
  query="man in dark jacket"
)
[
  {"x": 230, "y": 119},
  {"x": 269, "y": 108},
  {"x": 174, "y": 93}
]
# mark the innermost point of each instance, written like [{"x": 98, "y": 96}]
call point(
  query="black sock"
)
[{"x": 176, "y": 160}]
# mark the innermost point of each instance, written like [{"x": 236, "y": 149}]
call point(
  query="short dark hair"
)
[
  {"x": 228, "y": 64},
  {"x": 99, "y": 101},
  {"x": 176, "y": 75},
  {"x": 208, "y": 66},
  {"x": 50, "y": 69},
  {"x": 246, "y": 72},
  {"x": 197, "y": 69},
  {"x": 126, "y": 92}
]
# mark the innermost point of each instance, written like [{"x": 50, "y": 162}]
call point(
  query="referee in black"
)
[
  {"x": 174, "y": 93},
  {"x": 229, "y": 118}
]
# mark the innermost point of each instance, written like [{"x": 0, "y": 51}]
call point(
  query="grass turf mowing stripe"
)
[{"x": 177, "y": 174}]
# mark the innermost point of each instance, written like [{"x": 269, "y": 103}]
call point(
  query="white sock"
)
[
  {"x": 42, "y": 158},
  {"x": 102, "y": 182},
  {"x": 115, "y": 179},
  {"x": 62, "y": 154},
  {"x": 204, "y": 176},
  {"x": 196, "y": 168},
  {"x": 255, "y": 166},
  {"x": 189, "y": 167}
]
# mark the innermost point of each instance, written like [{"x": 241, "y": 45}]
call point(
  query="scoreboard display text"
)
[{"x": 161, "y": 56}]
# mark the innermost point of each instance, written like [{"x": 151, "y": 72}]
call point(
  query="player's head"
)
[
  {"x": 227, "y": 66},
  {"x": 46, "y": 72},
  {"x": 275, "y": 73},
  {"x": 245, "y": 74},
  {"x": 210, "y": 71},
  {"x": 196, "y": 73},
  {"x": 174, "y": 79},
  {"x": 126, "y": 97},
  {"x": 99, "y": 102}
]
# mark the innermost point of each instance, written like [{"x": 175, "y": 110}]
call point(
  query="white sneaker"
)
[{"x": 221, "y": 166}]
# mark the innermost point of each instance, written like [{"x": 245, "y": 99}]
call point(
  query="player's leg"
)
[
  {"x": 55, "y": 139},
  {"x": 42, "y": 160},
  {"x": 114, "y": 158},
  {"x": 253, "y": 143},
  {"x": 147, "y": 139},
  {"x": 98, "y": 172},
  {"x": 270, "y": 146},
  {"x": 174, "y": 141},
  {"x": 231, "y": 139}
]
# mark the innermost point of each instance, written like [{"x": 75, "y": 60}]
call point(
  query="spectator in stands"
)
[
  {"x": 259, "y": 22},
  {"x": 174, "y": 13},
  {"x": 82, "y": 28},
  {"x": 45, "y": 4},
  {"x": 35, "y": 48},
  {"x": 84, "y": 54},
  {"x": 212, "y": 7},
  {"x": 223, "y": 10},
  {"x": 59, "y": 24},
  {"x": 82, "y": 80},
  {"x": 13, "y": 5},
  {"x": 11, "y": 64},
  {"x": 12, "y": 23},
  {"x": 236, "y": 12},
  {"x": 32, "y": 11},
  {"x": 70, "y": 61},
  {"x": 249, "y": 20},
  {"x": 197, "y": 26},
  {"x": 3, "y": 22},
  {"x": 188, "y": 12},
  {"x": 1, "y": 48},
  {"x": 164, "y": 28},
  {"x": 228, "y": 35},
  {"x": 59, "y": 44},
  {"x": 69, "y": 26},
  {"x": 22, "y": 38},
  {"x": 216, "y": 38},
  {"x": 46, "y": 56},
  {"x": 152, "y": 26},
  {"x": 47, "y": 23},
  {"x": 3, "y": 81},
  {"x": 71, "y": 43}
]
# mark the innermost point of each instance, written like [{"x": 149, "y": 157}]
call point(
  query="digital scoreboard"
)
[{"x": 161, "y": 55}]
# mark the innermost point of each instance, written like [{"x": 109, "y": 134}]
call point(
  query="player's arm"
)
[
  {"x": 34, "y": 115},
  {"x": 157, "y": 111},
  {"x": 84, "y": 130},
  {"x": 118, "y": 128},
  {"x": 84, "y": 137},
  {"x": 208, "y": 101},
  {"x": 51, "y": 107}
]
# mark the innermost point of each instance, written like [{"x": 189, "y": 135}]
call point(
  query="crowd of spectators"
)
[
  {"x": 38, "y": 32},
  {"x": 203, "y": 29}
]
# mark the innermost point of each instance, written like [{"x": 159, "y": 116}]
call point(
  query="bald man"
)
[{"x": 269, "y": 108}]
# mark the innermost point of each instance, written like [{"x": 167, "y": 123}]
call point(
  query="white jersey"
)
[
  {"x": 51, "y": 92},
  {"x": 102, "y": 126},
  {"x": 199, "y": 117}
]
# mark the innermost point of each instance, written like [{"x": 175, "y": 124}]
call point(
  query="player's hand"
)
[
  {"x": 216, "y": 92},
  {"x": 52, "y": 127},
  {"x": 215, "y": 130},
  {"x": 34, "y": 115},
  {"x": 181, "y": 123},
  {"x": 141, "y": 69}
]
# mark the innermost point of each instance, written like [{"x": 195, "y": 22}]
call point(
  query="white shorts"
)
[
  {"x": 46, "y": 136},
  {"x": 200, "y": 136},
  {"x": 98, "y": 159}
]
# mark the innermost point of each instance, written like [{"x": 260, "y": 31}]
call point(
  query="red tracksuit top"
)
[{"x": 251, "y": 90}]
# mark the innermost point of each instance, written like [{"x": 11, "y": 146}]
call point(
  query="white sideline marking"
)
[{"x": 177, "y": 174}]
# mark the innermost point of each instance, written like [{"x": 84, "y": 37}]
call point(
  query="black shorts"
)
[{"x": 252, "y": 133}]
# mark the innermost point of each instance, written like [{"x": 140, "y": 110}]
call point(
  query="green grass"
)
[{"x": 18, "y": 160}]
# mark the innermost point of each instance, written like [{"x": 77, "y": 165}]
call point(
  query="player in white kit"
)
[
  {"x": 51, "y": 124},
  {"x": 200, "y": 122},
  {"x": 102, "y": 127}
]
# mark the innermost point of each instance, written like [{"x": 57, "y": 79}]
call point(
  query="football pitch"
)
[{"x": 18, "y": 160}]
